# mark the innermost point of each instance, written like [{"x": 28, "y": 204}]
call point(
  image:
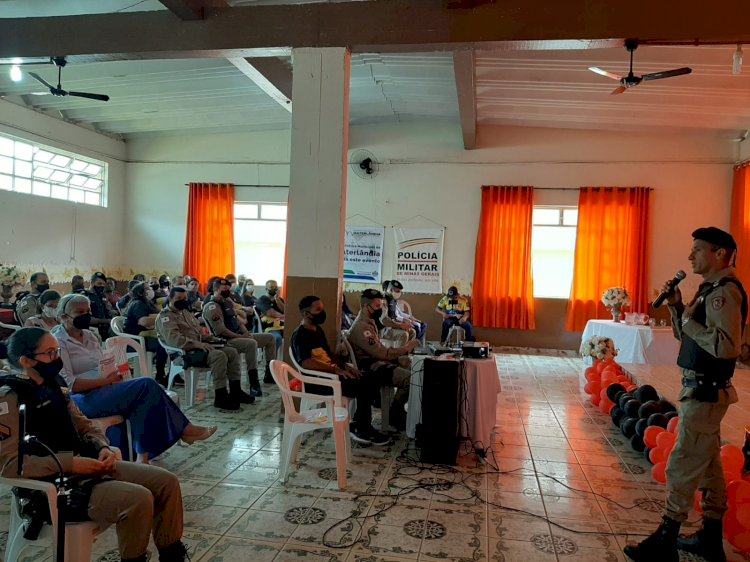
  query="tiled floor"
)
[{"x": 237, "y": 510}]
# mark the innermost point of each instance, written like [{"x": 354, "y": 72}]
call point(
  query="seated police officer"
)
[
  {"x": 221, "y": 316},
  {"x": 141, "y": 500},
  {"x": 311, "y": 350},
  {"x": 390, "y": 365},
  {"x": 30, "y": 305},
  {"x": 177, "y": 327}
]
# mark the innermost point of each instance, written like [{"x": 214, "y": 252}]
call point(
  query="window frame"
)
[{"x": 560, "y": 224}]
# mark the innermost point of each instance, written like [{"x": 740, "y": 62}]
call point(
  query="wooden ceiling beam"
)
[
  {"x": 466, "y": 88},
  {"x": 188, "y": 10},
  {"x": 271, "y": 74},
  {"x": 375, "y": 26}
]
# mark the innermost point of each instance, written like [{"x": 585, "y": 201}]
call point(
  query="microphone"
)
[{"x": 679, "y": 276}]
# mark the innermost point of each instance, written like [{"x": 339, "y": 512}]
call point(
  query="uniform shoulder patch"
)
[
  {"x": 717, "y": 303},
  {"x": 3, "y": 408},
  {"x": 371, "y": 341},
  {"x": 367, "y": 333}
]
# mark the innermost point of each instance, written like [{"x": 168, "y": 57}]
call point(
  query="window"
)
[
  {"x": 35, "y": 169},
  {"x": 260, "y": 240},
  {"x": 553, "y": 245}
]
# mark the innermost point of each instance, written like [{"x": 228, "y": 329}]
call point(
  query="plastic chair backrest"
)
[
  {"x": 257, "y": 324},
  {"x": 344, "y": 337},
  {"x": 118, "y": 325},
  {"x": 14, "y": 327},
  {"x": 121, "y": 344},
  {"x": 280, "y": 372},
  {"x": 404, "y": 306}
]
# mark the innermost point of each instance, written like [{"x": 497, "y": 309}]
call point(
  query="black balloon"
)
[
  {"x": 636, "y": 441},
  {"x": 617, "y": 415},
  {"x": 671, "y": 415},
  {"x": 640, "y": 427},
  {"x": 667, "y": 406},
  {"x": 646, "y": 453},
  {"x": 649, "y": 408},
  {"x": 646, "y": 393},
  {"x": 613, "y": 389},
  {"x": 624, "y": 399},
  {"x": 658, "y": 419},
  {"x": 632, "y": 407},
  {"x": 628, "y": 427}
]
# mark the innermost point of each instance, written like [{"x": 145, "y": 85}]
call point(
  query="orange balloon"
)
[
  {"x": 697, "y": 501},
  {"x": 737, "y": 535},
  {"x": 595, "y": 399},
  {"x": 743, "y": 516},
  {"x": 649, "y": 437},
  {"x": 732, "y": 458},
  {"x": 599, "y": 365},
  {"x": 656, "y": 456},
  {"x": 591, "y": 375},
  {"x": 665, "y": 440},
  {"x": 738, "y": 492},
  {"x": 659, "y": 472},
  {"x": 622, "y": 379},
  {"x": 673, "y": 424},
  {"x": 732, "y": 476}
]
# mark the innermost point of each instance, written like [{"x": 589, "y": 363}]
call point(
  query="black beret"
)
[
  {"x": 222, "y": 283},
  {"x": 452, "y": 291},
  {"x": 715, "y": 236},
  {"x": 396, "y": 285},
  {"x": 372, "y": 294}
]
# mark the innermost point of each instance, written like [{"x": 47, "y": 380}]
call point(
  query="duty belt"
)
[{"x": 695, "y": 383}]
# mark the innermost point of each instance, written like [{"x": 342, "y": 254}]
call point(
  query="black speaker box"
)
[{"x": 437, "y": 435}]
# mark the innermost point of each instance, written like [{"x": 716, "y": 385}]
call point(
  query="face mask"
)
[
  {"x": 49, "y": 311},
  {"x": 271, "y": 292},
  {"x": 250, "y": 292},
  {"x": 42, "y": 288},
  {"x": 150, "y": 294},
  {"x": 181, "y": 305},
  {"x": 396, "y": 294},
  {"x": 225, "y": 294},
  {"x": 82, "y": 322},
  {"x": 318, "y": 318},
  {"x": 376, "y": 313},
  {"x": 48, "y": 371},
  {"x": 155, "y": 286},
  {"x": 166, "y": 284},
  {"x": 99, "y": 290}
]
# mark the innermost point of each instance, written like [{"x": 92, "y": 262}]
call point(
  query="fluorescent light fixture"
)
[
  {"x": 15, "y": 73},
  {"x": 737, "y": 60}
]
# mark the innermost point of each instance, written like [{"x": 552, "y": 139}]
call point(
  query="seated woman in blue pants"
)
[{"x": 156, "y": 421}]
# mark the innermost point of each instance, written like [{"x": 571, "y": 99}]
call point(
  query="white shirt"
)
[{"x": 80, "y": 359}]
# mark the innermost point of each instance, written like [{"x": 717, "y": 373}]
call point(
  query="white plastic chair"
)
[
  {"x": 296, "y": 423},
  {"x": 14, "y": 327},
  {"x": 257, "y": 324},
  {"x": 404, "y": 306},
  {"x": 387, "y": 393},
  {"x": 79, "y": 537},
  {"x": 176, "y": 367},
  {"x": 118, "y": 327},
  {"x": 308, "y": 404}
]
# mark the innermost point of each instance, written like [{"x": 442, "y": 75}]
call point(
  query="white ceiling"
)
[{"x": 523, "y": 88}]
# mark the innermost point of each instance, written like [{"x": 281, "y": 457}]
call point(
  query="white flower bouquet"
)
[
  {"x": 598, "y": 347},
  {"x": 11, "y": 276},
  {"x": 616, "y": 297}
]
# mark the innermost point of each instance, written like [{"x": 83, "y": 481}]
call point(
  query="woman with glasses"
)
[
  {"x": 140, "y": 500},
  {"x": 156, "y": 422}
]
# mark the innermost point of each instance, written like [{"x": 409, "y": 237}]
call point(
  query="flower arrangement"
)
[
  {"x": 598, "y": 347},
  {"x": 11, "y": 276},
  {"x": 616, "y": 297}
]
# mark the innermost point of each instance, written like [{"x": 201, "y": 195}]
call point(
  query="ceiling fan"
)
[
  {"x": 631, "y": 79},
  {"x": 60, "y": 62}
]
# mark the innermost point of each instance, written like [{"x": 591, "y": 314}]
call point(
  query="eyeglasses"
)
[{"x": 52, "y": 353}]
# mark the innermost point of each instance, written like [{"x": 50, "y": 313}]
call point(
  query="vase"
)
[
  {"x": 616, "y": 313},
  {"x": 6, "y": 293}
]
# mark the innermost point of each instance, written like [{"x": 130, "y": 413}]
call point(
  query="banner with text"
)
[
  {"x": 419, "y": 259},
  {"x": 363, "y": 253}
]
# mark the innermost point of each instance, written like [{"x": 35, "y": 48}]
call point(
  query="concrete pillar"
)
[{"x": 317, "y": 189}]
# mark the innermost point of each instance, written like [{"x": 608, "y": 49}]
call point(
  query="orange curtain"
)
[
  {"x": 503, "y": 291},
  {"x": 209, "y": 244},
  {"x": 611, "y": 251},
  {"x": 740, "y": 220}
]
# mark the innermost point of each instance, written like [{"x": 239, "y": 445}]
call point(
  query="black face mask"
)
[
  {"x": 82, "y": 322},
  {"x": 181, "y": 304},
  {"x": 155, "y": 286},
  {"x": 271, "y": 292},
  {"x": 48, "y": 371},
  {"x": 376, "y": 313},
  {"x": 318, "y": 318},
  {"x": 225, "y": 294},
  {"x": 166, "y": 285},
  {"x": 42, "y": 288},
  {"x": 99, "y": 290}
]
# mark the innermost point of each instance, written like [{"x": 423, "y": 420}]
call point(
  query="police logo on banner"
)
[{"x": 419, "y": 259}]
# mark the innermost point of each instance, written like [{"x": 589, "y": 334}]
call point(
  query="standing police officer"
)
[{"x": 710, "y": 331}]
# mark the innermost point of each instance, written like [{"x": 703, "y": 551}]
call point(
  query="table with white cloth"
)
[
  {"x": 635, "y": 343},
  {"x": 478, "y": 410}
]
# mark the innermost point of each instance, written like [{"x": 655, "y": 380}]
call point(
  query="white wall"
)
[
  {"x": 425, "y": 171},
  {"x": 61, "y": 237}
]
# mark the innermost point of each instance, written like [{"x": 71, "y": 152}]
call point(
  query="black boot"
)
[
  {"x": 252, "y": 377},
  {"x": 236, "y": 392},
  {"x": 708, "y": 542},
  {"x": 175, "y": 552},
  {"x": 267, "y": 378},
  {"x": 224, "y": 400},
  {"x": 661, "y": 546}
]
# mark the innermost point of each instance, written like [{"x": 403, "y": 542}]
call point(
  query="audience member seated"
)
[
  {"x": 271, "y": 307},
  {"x": 47, "y": 320},
  {"x": 179, "y": 281},
  {"x": 393, "y": 291},
  {"x": 390, "y": 365},
  {"x": 156, "y": 421},
  {"x": 111, "y": 292},
  {"x": 29, "y": 304},
  {"x": 139, "y": 277},
  {"x": 455, "y": 310},
  {"x": 195, "y": 299},
  {"x": 122, "y": 304},
  {"x": 347, "y": 316},
  {"x": 221, "y": 316},
  {"x": 178, "y": 327},
  {"x": 140, "y": 320},
  {"x": 311, "y": 350},
  {"x": 140, "y": 500},
  {"x": 392, "y": 329},
  {"x": 76, "y": 285},
  {"x": 165, "y": 284},
  {"x": 247, "y": 294},
  {"x": 101, "y": 310}
]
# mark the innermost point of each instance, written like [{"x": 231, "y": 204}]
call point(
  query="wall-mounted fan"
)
[
  {"x": 60, "y": 62},
  {"x": 631, "y": 80},
  {"x": 363, "y": 164}
]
